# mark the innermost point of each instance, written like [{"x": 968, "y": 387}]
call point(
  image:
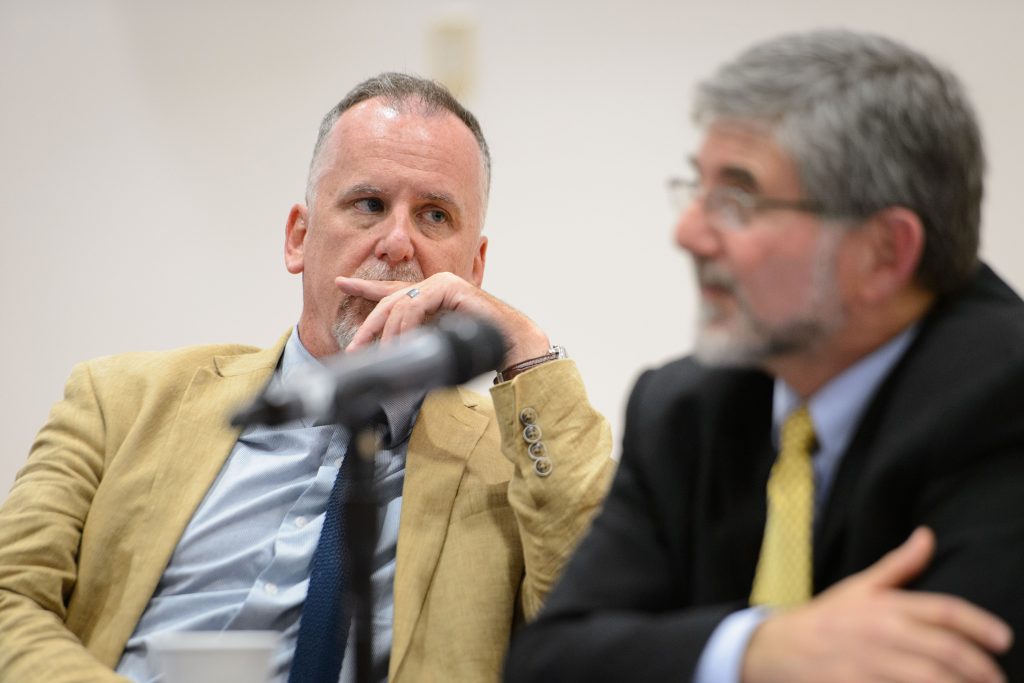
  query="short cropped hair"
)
[
  {"x": 398, "y": 90},
  {"x": 869, "y": 124}
]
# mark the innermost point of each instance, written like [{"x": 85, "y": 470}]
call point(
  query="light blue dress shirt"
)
[
  {"x": 243, "y": 561},
  {"x": 836, "y": 410}
]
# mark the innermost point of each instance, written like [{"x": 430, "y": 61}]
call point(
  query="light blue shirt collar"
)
[
  {"x": 836, "y": 409},
  {"x": 400, "y": 410}
]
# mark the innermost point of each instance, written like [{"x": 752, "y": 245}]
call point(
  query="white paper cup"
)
[{"x": 214, "y": 657}]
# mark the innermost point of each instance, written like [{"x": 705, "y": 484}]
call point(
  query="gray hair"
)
[
  {"x": 398, "y": 90},
  {"x": 869, "y": 124}
]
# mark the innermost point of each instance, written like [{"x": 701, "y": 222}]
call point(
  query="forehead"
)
[
  {"x": 745, "y": 154},
  {"x": 405, "y": 144}
]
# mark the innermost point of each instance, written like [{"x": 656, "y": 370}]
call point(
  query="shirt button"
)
[
  {"x": 270, "y": 588},
  {"x": 300, "y": 521},
  {"x": 337, "y": 463}
]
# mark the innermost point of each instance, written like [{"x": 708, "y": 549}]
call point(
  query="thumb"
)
[{"x": 901, "y": 564}]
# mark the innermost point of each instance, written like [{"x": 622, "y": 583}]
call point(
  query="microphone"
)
[{"x": 349, "y": 386}]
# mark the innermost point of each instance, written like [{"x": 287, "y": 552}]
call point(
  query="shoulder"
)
[
  {"x": 685, "y": 402},
  {"x": 685, "y": 382},
  {"x": 987, "y": 315},
  {"x": 176, "y": 362},
  {"x": 972, "y": 338},
  {"x": 142, "y": 372},
  {"x": 965, "y": 369},
  {"x": 151, "y": 360}
]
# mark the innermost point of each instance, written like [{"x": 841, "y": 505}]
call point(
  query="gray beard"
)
[
  {"x": 750, "y": 341},
  {"x": 353, "y": 310},
  {"x": 757, "y": 342}
]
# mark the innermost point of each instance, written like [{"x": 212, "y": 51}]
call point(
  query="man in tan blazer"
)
[{"x": 389, "y": 236}]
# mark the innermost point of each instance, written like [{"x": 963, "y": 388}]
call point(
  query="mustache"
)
[
  {"x": 407, "y": 271},
  {"x": 352, "y": 310},
  {"x": 715, "y": 275}
]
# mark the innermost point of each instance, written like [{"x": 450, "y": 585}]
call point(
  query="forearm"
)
[
  {"x": 612, "y": 645},
  {"x": 36, "y": 647},
  {"x": 41, "y": 526},
  {"x": 556, "y": 492}
]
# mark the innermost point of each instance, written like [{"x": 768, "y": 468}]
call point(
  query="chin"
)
[
  {"x": 351, "y": 315},
  {"x": 720, "y": 346}
]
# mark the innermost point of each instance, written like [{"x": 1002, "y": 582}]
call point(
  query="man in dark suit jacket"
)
[{"x": 834, "y": 227}]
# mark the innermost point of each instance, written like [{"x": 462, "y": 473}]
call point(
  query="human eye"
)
[
  {"x": 435, "y": 216},
  {"x": 731, "y": 205},
  {"x": 369, "y": 205}
]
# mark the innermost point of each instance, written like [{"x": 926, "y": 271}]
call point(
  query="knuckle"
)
[{"x": 947, "y": 611}]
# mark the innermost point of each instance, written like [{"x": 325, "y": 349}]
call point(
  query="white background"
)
[{"x": 150, "y": 151}]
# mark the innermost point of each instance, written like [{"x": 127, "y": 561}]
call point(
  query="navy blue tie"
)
[{"x": 323, "y": 628}]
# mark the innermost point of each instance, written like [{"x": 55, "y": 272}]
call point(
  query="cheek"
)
[
  {"x": 336, "y": 253},
  {"x": 777, "y": 285},
  {"x": 436, "y": 258}
]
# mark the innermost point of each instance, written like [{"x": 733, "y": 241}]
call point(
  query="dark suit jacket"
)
[{"x": 674, "y": 550}]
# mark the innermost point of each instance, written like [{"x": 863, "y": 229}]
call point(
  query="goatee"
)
[{"x": 353, "y": 309}]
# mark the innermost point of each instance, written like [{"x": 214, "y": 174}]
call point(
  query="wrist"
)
[{"x": 554, "y": 353}]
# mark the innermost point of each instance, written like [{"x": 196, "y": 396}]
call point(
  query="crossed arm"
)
[
  {"x": 631, "y": 606},
  {"x": 867, "y": 628}
]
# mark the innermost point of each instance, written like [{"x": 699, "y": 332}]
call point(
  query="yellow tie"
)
[{"x": 784, "y": 573}]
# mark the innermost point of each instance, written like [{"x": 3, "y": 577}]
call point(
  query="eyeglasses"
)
[{"x": 731, "y": 208}]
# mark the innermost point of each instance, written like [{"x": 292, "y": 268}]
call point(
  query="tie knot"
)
[{"x": 798, "y": 431}]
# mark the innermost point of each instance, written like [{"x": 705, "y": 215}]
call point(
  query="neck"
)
[{"x": 808, "y": 370}]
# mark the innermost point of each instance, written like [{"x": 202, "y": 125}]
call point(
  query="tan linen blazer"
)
[{"x": 126, "y": 457}]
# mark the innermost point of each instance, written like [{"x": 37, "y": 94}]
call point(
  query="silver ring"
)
[{"x": 413, "y": 293}]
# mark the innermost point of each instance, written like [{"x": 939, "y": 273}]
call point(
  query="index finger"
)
[
  {"x": 957, "y": 614},
  {"x": 373, "y": 290}
]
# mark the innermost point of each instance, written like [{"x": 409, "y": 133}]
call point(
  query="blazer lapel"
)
[
  {"x": 447, "y": 430},
  {"x": 739, "y": 458},
  {"x": 198, "y": 443}
]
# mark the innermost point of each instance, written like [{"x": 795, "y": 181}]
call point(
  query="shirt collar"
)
[
  {"x": 837, "y": 407},
  {"x": 399, "y": 410}
]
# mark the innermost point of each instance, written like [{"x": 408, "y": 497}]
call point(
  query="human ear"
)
[
  {"x": 893, "y": 239},
  {"x": 295, "y": 238},
  {"x": 479, "y": 261}
]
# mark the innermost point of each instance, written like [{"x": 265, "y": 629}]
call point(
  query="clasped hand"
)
[
  {"x": 396, "y": 312},
  {"x": 868, "y": 628}
]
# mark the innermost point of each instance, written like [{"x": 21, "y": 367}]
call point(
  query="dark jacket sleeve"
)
[{"x": 620, "y": 610}]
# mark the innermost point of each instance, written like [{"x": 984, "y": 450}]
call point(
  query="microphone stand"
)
[{"x": 360, "y": 528}]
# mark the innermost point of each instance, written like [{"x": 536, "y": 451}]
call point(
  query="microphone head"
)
[{"x": 477, "y": 345}]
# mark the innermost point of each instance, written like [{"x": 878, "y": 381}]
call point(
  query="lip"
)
[{"x": 715, "y": 291}]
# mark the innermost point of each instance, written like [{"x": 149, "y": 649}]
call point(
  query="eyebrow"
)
[
  {"x": 739, "y": 176},
  {"x": 361, "y": 188},
  {"x": 367, "y": 188},
  {"x": 734, "y": 175},
  {"x": 439, "y": 197}
]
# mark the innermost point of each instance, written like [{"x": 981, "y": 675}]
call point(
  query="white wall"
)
[{"x": 150, "y": 151}]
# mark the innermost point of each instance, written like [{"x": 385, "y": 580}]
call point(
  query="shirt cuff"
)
[{"x": 722, "y": 657}]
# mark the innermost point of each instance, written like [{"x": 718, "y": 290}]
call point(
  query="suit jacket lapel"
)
[
  {"x": 740, "y": 458},
  {"x": 198, "y": 443},
  {"x": 446, "y": 432}
]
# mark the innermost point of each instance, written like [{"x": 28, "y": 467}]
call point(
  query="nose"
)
[
  {"x": 395, "y": 245},
  {"x": 694, "y": 233}
]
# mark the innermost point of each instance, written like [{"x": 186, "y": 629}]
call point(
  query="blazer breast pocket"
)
[{"x": 475, "y": 497}]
